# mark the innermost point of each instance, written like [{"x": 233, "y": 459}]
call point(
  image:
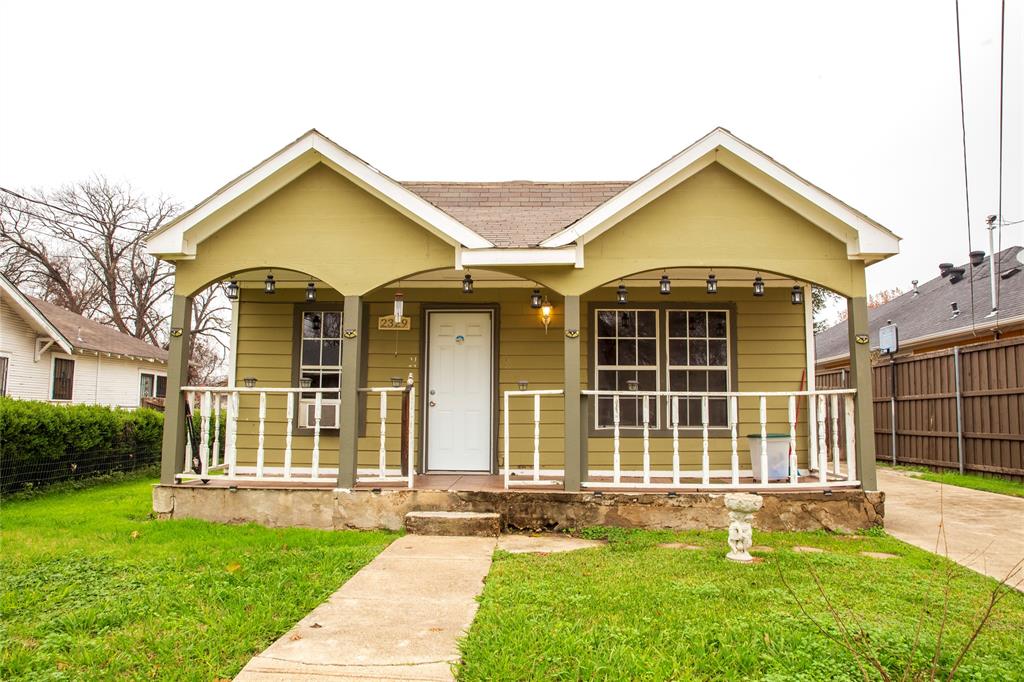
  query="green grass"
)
[
  {"x": 94, "y": 588},
  {"x": 632, "y": 610},
  {"x": 973, "y": 481}
]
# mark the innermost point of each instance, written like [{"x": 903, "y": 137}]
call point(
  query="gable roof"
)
[
  {"x": 31, "y": 314},
  {"x": 927, "y": 317}
]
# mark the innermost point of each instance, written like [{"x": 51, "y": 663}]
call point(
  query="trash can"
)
[{"x": 778, "y": 456}]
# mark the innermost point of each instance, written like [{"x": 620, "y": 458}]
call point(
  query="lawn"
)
[
  {"x": 94, "y": 588},
  {"x": 633, "y": 610},
  {"x": 987, "y": 483}
]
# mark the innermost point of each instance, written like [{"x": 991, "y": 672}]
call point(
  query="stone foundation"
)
[{"x": 839, "y": 511}]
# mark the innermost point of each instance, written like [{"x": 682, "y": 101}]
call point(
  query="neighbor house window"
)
[
  {"x": 63, "y": 378},
  {"x": 152, "y": 385},
  {"x": 320, "y": 362},
  {"x": 698, "y": 361},
  {"x": 626, "y": 350},
  {"x": 3, "y": 375}
]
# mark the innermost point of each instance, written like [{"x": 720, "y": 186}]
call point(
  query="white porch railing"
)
[
  {"x": 212, "y": 401},
  {"x": 535, "y": 471}
]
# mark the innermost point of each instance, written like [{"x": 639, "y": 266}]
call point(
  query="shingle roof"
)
[
  {"x": 87, "y": 334},
  {"x": 930, "y": 312},
  {"x": 519, "y": 213}
]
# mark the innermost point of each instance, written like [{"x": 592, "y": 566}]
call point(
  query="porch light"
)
[
  {"x": 396, "y": 382},
  {"x": 399, "y": 307},
  {"x": 632, "y": 384},
  {"x": 305, "y": 382},
  {"x": 712, "y": 284},
  {"x": 758, "y": 286},
  {"x": 665, "y": 285},
  {"x": 621, "y": 295},
  {"x": 269, "y": 286},
  {"x": 522, "y": 383},
  {"x": 545, "y": 313},
  {"x": 796, "y": 295},
  {"x": 535, "y": 299},
  {"x": 310, "y": 293},
  {"x": 232, "y": 290},
  {"x": 467, "y": 284},
  {"x": 250, "y": 382}
]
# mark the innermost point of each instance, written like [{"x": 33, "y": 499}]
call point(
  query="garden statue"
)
[{"x": 741, "y": 508}]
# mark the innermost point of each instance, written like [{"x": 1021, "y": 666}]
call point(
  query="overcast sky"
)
[{"x": 859, "y": 97}]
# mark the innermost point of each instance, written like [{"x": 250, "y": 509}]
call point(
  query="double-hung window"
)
[
  {"x": 320, "y": 363},
  {"x": 698, "y": 361},
  {"x": 63, "y": 379},
  {"x": 627, "y": 351}
]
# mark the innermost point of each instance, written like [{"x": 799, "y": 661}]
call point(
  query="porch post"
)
[
  {"x": 348, "y": 419},
  {"x": 860, "y": 373},
  {"x": 172, "y": 452},
  {"x": 575, "y": 444}
]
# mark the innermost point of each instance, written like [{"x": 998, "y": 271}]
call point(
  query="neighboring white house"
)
[{"x": 52, "y": 354}]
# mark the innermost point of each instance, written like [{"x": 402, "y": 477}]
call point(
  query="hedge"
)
[{"x": 38, "y": 437}]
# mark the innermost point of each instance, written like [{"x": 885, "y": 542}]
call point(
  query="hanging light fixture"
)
[
  {"x": 712, "y": 284},
  {"x": 467, "y": 284},
  {"x": 399, "y": 307},
  {"x": 665, "y": 285},
  {"x": 269, "y": 286},
  {"x": 232, "y": 290},
  {"x": 535, "y": 299},
  {"x": 310, "y": 293},
  {"x": 796, "y": 295},
  {"x": 758, "y": 286},
  {"x": 621, "y": 294},
  {"x": 545, "y": 313}
]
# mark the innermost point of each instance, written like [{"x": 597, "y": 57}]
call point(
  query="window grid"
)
[
  {"x": 320, "y": 362},
  {"x": 63, "y": 379},
  {"x": 698, "y": 359},
  {"x": 627, "y": 346}
]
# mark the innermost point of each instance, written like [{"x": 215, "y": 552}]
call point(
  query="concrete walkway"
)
[{"x": 984, "y": 531}]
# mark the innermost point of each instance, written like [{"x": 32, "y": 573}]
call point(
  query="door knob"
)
[{"x": 433, "y": 404}]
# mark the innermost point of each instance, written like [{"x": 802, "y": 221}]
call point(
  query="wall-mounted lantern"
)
[
  {"x": 535, "y": 299},
  {"x": 305, "y": 382},
  {"x": 545, "y": 313},
  {"x": 665, "y": 285},
  {"x": 796, "y": 295},
  {"x": 232, "y": 290},
  {"x": 712, "y": 284},
  {"x": 522, "y": 383},
  {"x": 250, "y": 382},
  {"x": 467, "y": 284},
  {"x": 310, "y": 293},
  {"x": 758, "y": 286},
  {"x": 621, "y": 294},
  {"x": 269, "y": 286}
]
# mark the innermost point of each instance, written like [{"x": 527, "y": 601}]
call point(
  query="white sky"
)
[{"x": 859, "y": 97}]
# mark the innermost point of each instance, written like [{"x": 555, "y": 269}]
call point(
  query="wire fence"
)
[{"x": 21, "y": 474}]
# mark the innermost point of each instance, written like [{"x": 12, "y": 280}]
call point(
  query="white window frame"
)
[
  {"x": 153, "y": 373},
  {"x": 5, "y": 373},
  {"x": 657, "y": 368},
  {"x": 669, "y": 367},
  {"x": 53, "y": 366},
  {"x": 303, "y": 404}
]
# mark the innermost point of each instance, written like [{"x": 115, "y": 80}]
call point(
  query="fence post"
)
[{"x": 959, "y": 410}]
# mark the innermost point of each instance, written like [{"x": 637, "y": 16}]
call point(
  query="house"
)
[
  {"x": 938, "y": 314},
  {"x": 52, "y": 354},
  {"x": 396, "y": 343}
]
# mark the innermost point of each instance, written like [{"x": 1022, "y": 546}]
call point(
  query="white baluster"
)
[
  {"x": 812, "y": 432},
  {"x": 851, "y": 454},
  {"x": 189, "y": 400},
  {"x": 794, "y": 473},
  {"x": 259, "y": 440},
  {"x": 318, "y": 404},
  {"x": 216, "y": 428},
  {"x": 733, "y": 419},
  {"x": 835, "y": 434},
  {"x": 705, "y": 458},
  {"x": 647, "y": 440},
  {"x": 508, "y": 459},
  {"x": 411, "y": 471},
  {"x": 233, "y": 431},
  {"x": 204, "y": 432},
  {"x": 288, "y": 436},
  {"x": 764, "y": 440},
  {"x": 822, "y": 447},
  {"x": 675, "y": 440},
  {"x": 536, "y": 436},
  {"x": 383, "y": 452},
  {"x": 616, "y": 472}
]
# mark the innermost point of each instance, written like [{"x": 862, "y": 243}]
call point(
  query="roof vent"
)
[
  {"x": 944, "y": 269},
  {"x": 913, "y": 282},
  {"x": 1007, "y": 274},
  {"x": 955, "y": 308},
  {"x": 956, "y": 274},
  {"x": 977, "y": 258}
]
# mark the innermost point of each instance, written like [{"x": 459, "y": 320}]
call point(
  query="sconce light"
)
[
  {"x": 621, "y": 295},
  {"x": 522, "y": 383},
  {"x": 310, "y": 293},
  {"x": 399, "y": 307},
  {"x": 396, "y": 382},
  {"x": 545, "y": 313},
  {"x": 632, "y": 384},
  {"x": 232, "y": 290},
  {"x": 758, "y": 286},
  {"x": 250, "y": 382},
  {"x": 305, "y": 382},
  {"x": 665, "y": 285},
  {"x": 535, "y": 299},
  {"x": 269, "y": 286},
  {"x": 796, "y": 295},
  {"x": 712, "y": 284},
  {"x": 467, "y": 284}
]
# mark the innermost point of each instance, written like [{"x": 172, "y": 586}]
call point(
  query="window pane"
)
[
  {"x": 628, "y": 412},
  {"x": 161, "y": 387},
  {"x": 648, "y": 381},
  {"x": 314, "y": 378},
  {"x": 606, "y": 352},
  {"x": 627, "y": 323},
  {"x": 310, "y": 325},
  {"x": 624, "y": 378},
  {"x": 63, "y": 378},
  {"x": 716, "y": 324},
  {"x": 310, "y": 352},
  {"x": 604, "y": 411},
  {"x": 677, "y": 323},
  {"x": 606, "y": 380},
  {"x": 693, "y": 415},
  {"x": 332, "y": 353},
  {"x": 698, "y": 381},
  {"x": 698, "y": 353},
  {"x": 332, "y": 325},
  {"x": 677, "y": 380},
  {"x": 716, "y": 381},
  {"x": 698, "y": 324},
  {"x": 677, "y": 352},
  {"x": 146, "y": 387},
  {"x": 606, "y": 323},
  {"x": 627, "y": 352},
  {"x": 717, "y": 353},
  {"x": 645, "y": 324},
  {"x": 647, "y": 352},
  {"x": 718, "y": 411}
]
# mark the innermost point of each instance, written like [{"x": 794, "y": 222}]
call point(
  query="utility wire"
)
[
  {"x": 963, "y": 142},
  {"x": 1002, "y": 62}
]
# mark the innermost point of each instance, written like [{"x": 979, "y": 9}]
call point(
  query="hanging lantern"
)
[
  {"x": 399, "y": 307},
  {"x": 796, "y": 295},
  {"x": 665, "y": 285},
  {"x": 269, "y": 286},
  {"x": 467, "y": 284},
  {"x": 621, "y": 295},
  {"x": 545, "y": 313},
  {"x": 535, "y": 299},
  {"x": 310, "y": 293},
  {"x": 232, "y": 290},
  {"x": 758, "y": 286},
  {"x": 712, "y": 284}
]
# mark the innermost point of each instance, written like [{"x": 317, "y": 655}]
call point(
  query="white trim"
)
[
  {"x": 569, "y": 255},
  {"x": 179, "y": 238},
  {"x": 871, "y": 238},
  {"x": 35, "y": 317},
  {"x": 233, "y": 343}
]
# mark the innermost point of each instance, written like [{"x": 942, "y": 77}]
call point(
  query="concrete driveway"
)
[{"x": 984, "y": 531}]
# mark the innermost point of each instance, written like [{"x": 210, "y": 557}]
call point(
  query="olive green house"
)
[{"x": 643, "y": 336}]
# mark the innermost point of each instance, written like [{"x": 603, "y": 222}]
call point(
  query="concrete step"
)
[{"x": 486, "y": 524}]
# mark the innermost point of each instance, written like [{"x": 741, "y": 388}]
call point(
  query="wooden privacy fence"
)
[{"x": 925, "y": 415}]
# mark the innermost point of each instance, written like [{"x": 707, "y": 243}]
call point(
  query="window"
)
[
  {"x": 320, "y": 362},
  {"x": 698, "y": 360},
  {"x": 63, "y": 378},
  {"x": 152, "y": 385},
  {"x": 3, "y": 375},
  {"x": 626, "y": 350}
]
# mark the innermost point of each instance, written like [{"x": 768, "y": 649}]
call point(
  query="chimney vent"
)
[
  {"x": 944, "y": 268},
  {"x": 913, "y": 282},
  {"x": 977, "y": 258},
  {"x": 956, "y": 274},
  {"x": 955, "y": 308}
]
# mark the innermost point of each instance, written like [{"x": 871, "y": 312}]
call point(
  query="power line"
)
[
  {"x": 68, "y": 211},
  {"x": 1002, "y": 62},
  {"x": 963, "y": 141}
]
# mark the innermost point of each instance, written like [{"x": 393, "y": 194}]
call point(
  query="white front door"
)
[{"x": 459, "y": 391}]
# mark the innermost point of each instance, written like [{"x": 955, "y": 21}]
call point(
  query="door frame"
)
[{"x": 425, "y": 310}]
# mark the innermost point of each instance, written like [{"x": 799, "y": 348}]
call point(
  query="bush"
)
[{"x": 41, "y": 442}]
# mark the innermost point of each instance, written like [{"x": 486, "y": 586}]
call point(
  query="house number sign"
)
[{"x": 387, "y": 322}]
